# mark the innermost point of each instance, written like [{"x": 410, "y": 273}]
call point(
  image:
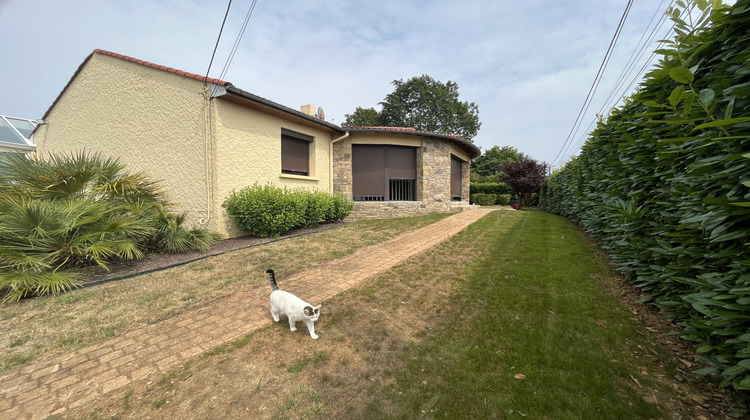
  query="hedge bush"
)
[
  {"x": 504, "y": 199},
  {"x": 664, "y": 184},
  {"x": 483, "y": 199},
  {"x": 496, "y": 188},
  {"x": 338, "y": 208},
  {"x": 269, "y": 211}
]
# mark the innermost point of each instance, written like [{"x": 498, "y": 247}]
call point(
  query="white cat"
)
[{"x": 296, "y": 309}]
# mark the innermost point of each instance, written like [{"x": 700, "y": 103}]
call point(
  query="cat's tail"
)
[{"x": 272, "y": 280}]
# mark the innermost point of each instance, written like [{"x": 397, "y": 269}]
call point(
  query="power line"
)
[
  {"x": 237, "y": 41},
  {"x": 217, "y": 43},
  {"x": 635, "y": 57},
  {"x": 636, "y": 75},
  {"x": 595, "y": 84},
  {"x": 637, "y": 54}
]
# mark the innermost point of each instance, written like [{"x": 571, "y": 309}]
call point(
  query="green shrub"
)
[
  {"x": 504, "y": 199},
  {"x": 269, "y": 211},
  {"x": 315, "y": 207},
  {"x": 496, "y": 188},
  {"x": 483, "y": 199},
  {"x": 338, "y": 208},
  {"x": 265, "y": 211},
  {"x": 69, "y": 211}
]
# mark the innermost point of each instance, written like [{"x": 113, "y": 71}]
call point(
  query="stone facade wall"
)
[
  {"x": 434, "y": 172},
  {"x": 342, "y": 167},
  {"x": 433, "y": 182}
]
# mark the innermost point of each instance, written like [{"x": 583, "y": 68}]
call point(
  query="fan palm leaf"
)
[{"x": 79, "y": 209}]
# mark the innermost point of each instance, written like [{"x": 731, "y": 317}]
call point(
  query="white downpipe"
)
[{"x": 208, "y": 140}]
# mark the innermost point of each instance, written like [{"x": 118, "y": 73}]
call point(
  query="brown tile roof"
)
[
  {"x": 164, "y": 68},
  {"x": 409, "y": 129},
  {"x": 384, "y": 128}
]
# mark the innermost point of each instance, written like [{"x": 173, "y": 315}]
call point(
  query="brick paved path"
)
[{"x": 60, "y": 382}]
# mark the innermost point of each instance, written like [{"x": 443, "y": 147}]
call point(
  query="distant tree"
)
[
  {"x": 488, "y": 165},
  {"x": 362, "y": 117},
  {"x": 525, "y": 178},
  {"x": 429, "y": 105}
]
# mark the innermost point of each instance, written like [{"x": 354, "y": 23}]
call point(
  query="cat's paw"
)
[
  {"x": 293, "y": 329},
  {"x": 314, "y": 336}
]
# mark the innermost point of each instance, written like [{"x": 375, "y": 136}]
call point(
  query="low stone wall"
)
[{"x": 393, "y": 209}]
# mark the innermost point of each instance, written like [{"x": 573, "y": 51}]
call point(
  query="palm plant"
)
[{"x": 76, "y": 210}]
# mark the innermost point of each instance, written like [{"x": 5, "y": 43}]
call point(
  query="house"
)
[
  {"x": 204, "y": 137},
  {"x": 15, "y": 134}
]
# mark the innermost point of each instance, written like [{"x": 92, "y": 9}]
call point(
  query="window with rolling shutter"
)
[
  {"x": 384, "y": 173},
  {"x": 295, "y": 153}
]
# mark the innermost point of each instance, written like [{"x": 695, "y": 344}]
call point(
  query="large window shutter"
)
[
  {"x": 368, "y": 171},
  {"x": 295, "y": 153}
]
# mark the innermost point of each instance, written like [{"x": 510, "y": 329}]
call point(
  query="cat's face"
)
[{"x": 312, "y": 313}]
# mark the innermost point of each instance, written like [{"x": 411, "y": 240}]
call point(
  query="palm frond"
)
[{"x": 19, "y": 284}]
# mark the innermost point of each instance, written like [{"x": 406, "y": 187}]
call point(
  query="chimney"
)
[{"x": 308, "y": 109}]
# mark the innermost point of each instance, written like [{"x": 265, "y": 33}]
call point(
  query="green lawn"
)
[
  {"x": 529, "y": 300},
  {"x": 512, "y": 318}
]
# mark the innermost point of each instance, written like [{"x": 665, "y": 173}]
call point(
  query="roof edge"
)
[
  {"x": 163, "y": 68},
  {"x": 470, "y": 148},
  {"x": 263, "y": 101}
]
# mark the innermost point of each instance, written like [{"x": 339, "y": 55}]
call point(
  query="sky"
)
[{"x": 528, "y": 65}]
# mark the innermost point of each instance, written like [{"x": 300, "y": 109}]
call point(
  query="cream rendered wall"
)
[
  {"x": 248, "y": 150},
  {"x": 386, "y": 138},
  {"x": 152, "y": 120}
]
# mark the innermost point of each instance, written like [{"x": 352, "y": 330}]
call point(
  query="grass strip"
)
[{"x": 529, "y": 331}]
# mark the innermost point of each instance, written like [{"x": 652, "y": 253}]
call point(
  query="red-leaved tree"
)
[{"x": 524, "y": 177}]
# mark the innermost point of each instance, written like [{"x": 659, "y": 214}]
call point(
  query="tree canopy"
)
[
  {"x": 363, "y": 117},
  {"x": 488, "y": 165},
  {"x": 525, "y": 178},
  {"x": 425, "y": 104}
]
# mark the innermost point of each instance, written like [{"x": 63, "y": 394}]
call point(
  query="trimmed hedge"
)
[
  {"x": 269, "y": 211},
  {"x": 496, "y": 188},
  {"x": 483, "y": 199},
  {"x": 664, "y": 184},
  {"x": 504, "y": 199}
]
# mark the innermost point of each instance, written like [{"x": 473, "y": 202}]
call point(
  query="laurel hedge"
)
[{"x": 664, "y": 184}]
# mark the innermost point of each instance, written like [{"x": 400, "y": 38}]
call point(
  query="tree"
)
[
  {"x": 429, "y": 105},
  {"x": 488, "y": 165},
  {"x": 525, "y": 178},
  {"x": 362, "y": 117}
]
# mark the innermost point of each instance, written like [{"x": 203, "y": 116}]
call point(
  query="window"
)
[
  {"x": 16, "y": 130},
  {"x": 295, "y": 153},
  {"x": 381, "y": 173}
]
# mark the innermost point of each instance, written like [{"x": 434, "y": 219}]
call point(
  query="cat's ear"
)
[
  {"x": 317, "y": 309},
  {"x": 309, "y": 310}
]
